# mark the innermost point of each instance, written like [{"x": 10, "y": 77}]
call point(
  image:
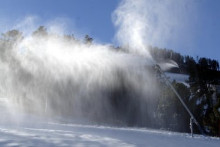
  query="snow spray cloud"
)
[
  {"x": 55, "y": 75},
  {"x": 131, "y": 22},
  {"x": 162, "y": 23}
]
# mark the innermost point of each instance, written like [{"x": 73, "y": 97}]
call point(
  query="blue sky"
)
[
  {"x": 91, "y": 16},
  {"x": 201, "y": 35}
]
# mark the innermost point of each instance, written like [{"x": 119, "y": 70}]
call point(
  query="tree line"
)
[{"x": 203, "y": 95}]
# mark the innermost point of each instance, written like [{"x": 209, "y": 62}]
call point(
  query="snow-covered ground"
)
[
  {"x": 177, "y": 77},
  {"x": 180, "y": 78},
  {"x": 56, "y": 134}
]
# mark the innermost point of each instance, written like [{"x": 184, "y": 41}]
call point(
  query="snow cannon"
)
[{"x": 161, "y": 74}]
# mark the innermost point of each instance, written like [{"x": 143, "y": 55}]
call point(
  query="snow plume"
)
[
  {"x": 54, "y": 75},
  {"x": 50, "y": 74},
  {"x": 160, "y": 23},
  {"x": 130, "y": 19}
]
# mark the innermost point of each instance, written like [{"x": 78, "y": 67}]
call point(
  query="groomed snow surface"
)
[
  {"x": 55, "y": 134},
  {"x": 17, "y": 129}
]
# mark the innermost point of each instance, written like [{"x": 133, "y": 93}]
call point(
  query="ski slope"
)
[
  {"x": 180, "y": 78},
  {"x": 57, "y": 134},
  {"x": 177, "y": 77}
]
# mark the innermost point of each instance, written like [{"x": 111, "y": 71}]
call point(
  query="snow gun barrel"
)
[{"x": 167, "y": 81}]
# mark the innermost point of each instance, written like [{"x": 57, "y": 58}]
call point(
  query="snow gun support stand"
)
[{"x": 168, "y": 83}]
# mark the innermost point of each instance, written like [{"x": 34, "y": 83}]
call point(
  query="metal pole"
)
[
  {"x": 179, "y": 97},
  {"x": 191, "y": 126}
]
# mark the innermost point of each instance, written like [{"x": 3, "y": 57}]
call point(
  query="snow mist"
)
[
  {"x": 54, "y": 76},
  {"x": 51, "y": 75}
]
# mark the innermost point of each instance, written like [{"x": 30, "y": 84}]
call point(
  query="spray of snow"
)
[
  {"x": 162, "y": 23},
  {"x": 53, "y": 75},
  {"x": 48, "y": 74}
]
